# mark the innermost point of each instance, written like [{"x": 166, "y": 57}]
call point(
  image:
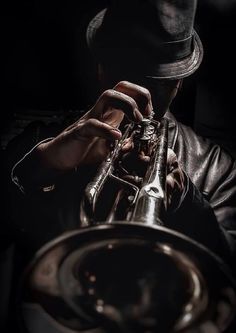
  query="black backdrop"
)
[
  {"x": 46, "y": 66},
  {"x": 45, "y": 59}
]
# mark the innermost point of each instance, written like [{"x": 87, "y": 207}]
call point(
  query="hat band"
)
[
  {"x": 162, "y": 52},
  {"x": 176, "y": 50}
]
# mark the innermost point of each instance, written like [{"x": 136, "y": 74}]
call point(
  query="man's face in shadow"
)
[{"x": 162, "y": 91}]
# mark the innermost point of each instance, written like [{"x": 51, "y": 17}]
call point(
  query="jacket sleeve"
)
[
  {"x": 25, "y": 168},
  {"x": 212, "y": 172},
  {"x": 29, "y": 175},
  {"x": 196, "y": 219},
  {"x": 22, "y": 164}
]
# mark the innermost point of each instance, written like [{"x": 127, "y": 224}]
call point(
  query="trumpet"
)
[
  {"x": 144, "y": 198},
  {"x": 124, "y": 270}
]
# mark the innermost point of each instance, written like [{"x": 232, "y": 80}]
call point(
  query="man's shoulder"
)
[
  {"x": 203, "y": 160},
  {"x": 185, "y": 137}
]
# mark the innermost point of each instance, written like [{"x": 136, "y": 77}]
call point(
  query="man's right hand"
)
[{"x": 87, "y": 141}]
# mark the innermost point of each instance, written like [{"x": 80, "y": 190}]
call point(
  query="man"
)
[
  {"x": 143, "y": 53},
  {"x": 153, "y": 45}
]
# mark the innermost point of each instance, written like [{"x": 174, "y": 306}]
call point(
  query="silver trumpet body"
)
[{"x": 145, "y": 196}]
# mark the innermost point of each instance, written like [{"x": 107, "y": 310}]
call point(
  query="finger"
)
[
  {"x": 127, "y": 145},
  {"x": 144, "y": 158},
  {"x": 133, "y": 179},
  {"x": 170, "y": 183},
  {"x": 173, "y": 192},
  {"x": 94, "y": 128},
  {"x": 140, "y": 94},
  {"x": 175, "y": 179},
  {"x": 172, "y": 162},
  {"x": 174, "y": 187},
  {"x": 119, "y": 101}
]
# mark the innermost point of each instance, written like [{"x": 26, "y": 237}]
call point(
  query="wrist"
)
[{"x": 33, "y": 172}]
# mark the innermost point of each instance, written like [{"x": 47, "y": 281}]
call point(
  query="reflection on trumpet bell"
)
[
  {"x": 124, "y": 277},
  {"x": 135, "y": 285}
]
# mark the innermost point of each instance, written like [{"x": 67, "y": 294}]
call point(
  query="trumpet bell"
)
[
  {"x": 134, "y": 275},
  {"x": 128, "y": 277}
]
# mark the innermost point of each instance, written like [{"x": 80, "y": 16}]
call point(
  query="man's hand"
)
[
  {"x": 87, "y": 141},
  {"x": 175, "y": 181}
]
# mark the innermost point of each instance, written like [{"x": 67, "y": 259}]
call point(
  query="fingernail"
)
[
  {"x": 116, "y": 132},
  {"x": 151, "y": 105},
  {"x": 149, "y": 109},
  {"x": 138, "y": 116}
]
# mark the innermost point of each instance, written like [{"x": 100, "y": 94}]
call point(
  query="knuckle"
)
[
  {"x": 122, "y": 84},
  {"x": 79, "y": 126},
  {"x": 131, "y": 102},
  {"x": 92, "y": 122},
  {"x": 107, "y": 94},
  {"x": 145, "y": 92},
  {"x": 77, "y": 131},
  {"x": 87, "y": 125}
]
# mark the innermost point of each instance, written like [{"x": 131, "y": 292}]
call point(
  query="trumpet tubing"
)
[
  {"x": 136, "y": 189},
  {"x": 124, "y": 271}
]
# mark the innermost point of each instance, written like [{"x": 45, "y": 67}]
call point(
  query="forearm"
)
[{"x": 31, "y": 173}]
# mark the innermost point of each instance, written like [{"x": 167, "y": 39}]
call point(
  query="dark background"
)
[
  {"x": 46, "y": 64},
  {"x": 47, "y": 67}
]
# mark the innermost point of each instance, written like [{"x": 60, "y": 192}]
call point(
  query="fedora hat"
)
[{"x": 157, "y": 37}]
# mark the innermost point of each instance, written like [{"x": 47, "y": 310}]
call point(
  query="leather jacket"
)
[
  {"x": 211, "y": 169},
  {"x": 207, "y": 212}
]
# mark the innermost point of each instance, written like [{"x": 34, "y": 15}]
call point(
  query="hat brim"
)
[
  {"x": 172, "y": 70},
  {"x": 181, "y": 68}
]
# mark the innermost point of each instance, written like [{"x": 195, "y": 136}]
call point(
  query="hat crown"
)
[
  {"x": 156, "y": 31},
  {"x": 167, "y": 19}
]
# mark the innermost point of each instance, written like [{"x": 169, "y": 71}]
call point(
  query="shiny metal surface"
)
[
  {"x": 129, "y": 273},
  {"x": 148, "y": 199},
  {"x": 54, "y": 283}
]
